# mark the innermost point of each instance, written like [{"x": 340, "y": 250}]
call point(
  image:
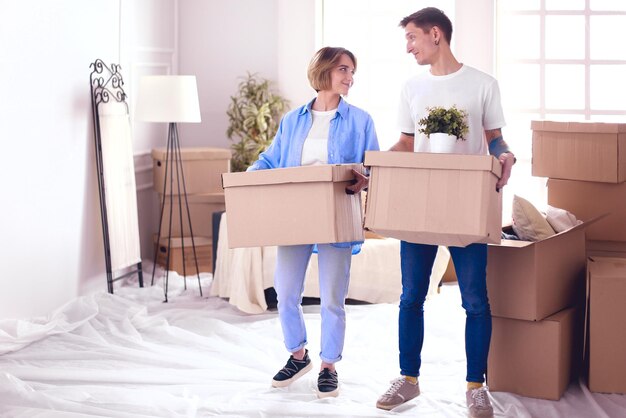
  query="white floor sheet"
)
[{"x": 130, "y": 355}]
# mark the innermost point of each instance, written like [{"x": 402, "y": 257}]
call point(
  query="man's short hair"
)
[{"x": 428, "y": 17}]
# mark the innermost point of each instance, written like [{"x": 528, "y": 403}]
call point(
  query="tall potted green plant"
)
[{"x": 253, "y": 114}]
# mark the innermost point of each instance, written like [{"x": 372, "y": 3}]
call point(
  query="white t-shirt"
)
[
  {"x": 469, "y": 89},
  {"x": 315, "y": 149}
]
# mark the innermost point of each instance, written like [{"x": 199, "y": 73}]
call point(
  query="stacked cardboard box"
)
[
  {"x": 535, "y": 358},
  {"x": 202, "y": 169},
  {"x": 587, "y": 199},
  {"x": 606, "y": 290},
  {"x": 535, "y": 286},
  {"x": 586, "y": 168},
  {"x": 588, "y": 178},
  {"x": 201, "y": 208},
  {"x": 535, "y": 290},
  {"x": 181, "y": 251}
]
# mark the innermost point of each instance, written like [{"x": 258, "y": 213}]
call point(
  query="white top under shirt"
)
[
  {"x": 469, "y": 89},
  {"x": 315, "y": 149}
]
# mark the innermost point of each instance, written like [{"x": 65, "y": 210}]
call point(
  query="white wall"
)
[
  {"x": 51, "y": 248},
  {"x": 219, "y": 41},
  {"x": 149, "y": 46},
  {"x": 49, "y": 216},
  {"x": 297, "y": 37},
  {"x": 473, "y": 38}
]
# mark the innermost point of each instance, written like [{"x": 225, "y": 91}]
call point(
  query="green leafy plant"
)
[
  {"x": 253, "y": 114},
  {"x": 451, "y": 121}
]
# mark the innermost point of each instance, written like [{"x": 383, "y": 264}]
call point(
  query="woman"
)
[{"x": 326, "y": 130}]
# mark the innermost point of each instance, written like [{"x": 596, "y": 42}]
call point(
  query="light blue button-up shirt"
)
[{"x": 351, "y": 133}]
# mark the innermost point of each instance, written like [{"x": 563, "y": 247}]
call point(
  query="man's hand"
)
[
  {"x": 507, "y": 160},
  {"x": 359, "y": 183}
]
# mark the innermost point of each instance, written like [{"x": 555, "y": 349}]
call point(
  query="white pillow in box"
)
[
  {"x": 528, "y": 223},
  {"x": 560, "y": 219}
]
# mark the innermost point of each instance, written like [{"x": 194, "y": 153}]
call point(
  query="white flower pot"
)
[{"x": 442, "y": 143}]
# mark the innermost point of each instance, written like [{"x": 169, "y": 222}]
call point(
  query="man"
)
[{"x": 428, "y": 33}]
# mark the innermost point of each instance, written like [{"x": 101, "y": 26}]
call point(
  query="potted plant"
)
[
  {"x": 253, "y": 114},
  {"x": 450, "y": 121}
]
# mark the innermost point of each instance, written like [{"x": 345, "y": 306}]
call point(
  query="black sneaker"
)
[
  {"x": 292, "y": 371},
  {"x": 327, "y": 383}
]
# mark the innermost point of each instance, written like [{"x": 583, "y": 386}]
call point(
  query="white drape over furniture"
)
[{"x": 242, "y": 274}]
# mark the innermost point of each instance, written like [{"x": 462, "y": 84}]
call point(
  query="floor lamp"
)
[{"x": 171, "y": 99}]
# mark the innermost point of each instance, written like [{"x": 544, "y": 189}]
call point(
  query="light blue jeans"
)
[{"x": 334, "y": 277}]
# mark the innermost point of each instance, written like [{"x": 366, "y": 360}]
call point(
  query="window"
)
[
  {"x": 555, "y": 59},
  {"x": 558, "y": 60},
  {"x": 370, "y": 30}
]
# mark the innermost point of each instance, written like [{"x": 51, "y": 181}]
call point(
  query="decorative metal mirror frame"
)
[{"x": 106, "y": 85}]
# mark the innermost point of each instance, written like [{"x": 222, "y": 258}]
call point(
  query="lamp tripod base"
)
[{"x": 174, "y": 173}]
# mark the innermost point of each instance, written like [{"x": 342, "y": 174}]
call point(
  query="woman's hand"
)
[{"x": 359, "y": 183}]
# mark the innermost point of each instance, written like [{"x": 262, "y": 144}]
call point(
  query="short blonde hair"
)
[{"x": 322, "y": 64}]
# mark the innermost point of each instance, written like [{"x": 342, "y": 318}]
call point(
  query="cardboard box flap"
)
[
  {"x": 585, "y": 224},
  {"x": 577, "y": 127},
  {"x": 306, "y": 174},
  {"x": 435, "y": 161},
  {"x": 188, "y": 154},
  {"x": 513, "y": 243}
]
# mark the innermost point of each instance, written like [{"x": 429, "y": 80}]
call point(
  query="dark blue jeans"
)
[{"x": 470, "y": 264}]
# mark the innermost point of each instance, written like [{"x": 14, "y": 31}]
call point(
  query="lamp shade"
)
[{"x": 168, "y": 98}]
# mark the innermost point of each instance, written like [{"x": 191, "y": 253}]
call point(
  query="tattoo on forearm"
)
[
  {"x": 498, "y": 146},
  {"x": 493, "y": 133}
]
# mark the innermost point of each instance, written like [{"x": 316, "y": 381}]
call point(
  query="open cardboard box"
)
[
  {"x": 589, "y": 151},
  {"x": 438, "y": 199},
  {"x": 291, "y": 206},
  {"x": 532, "y": 280}
]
